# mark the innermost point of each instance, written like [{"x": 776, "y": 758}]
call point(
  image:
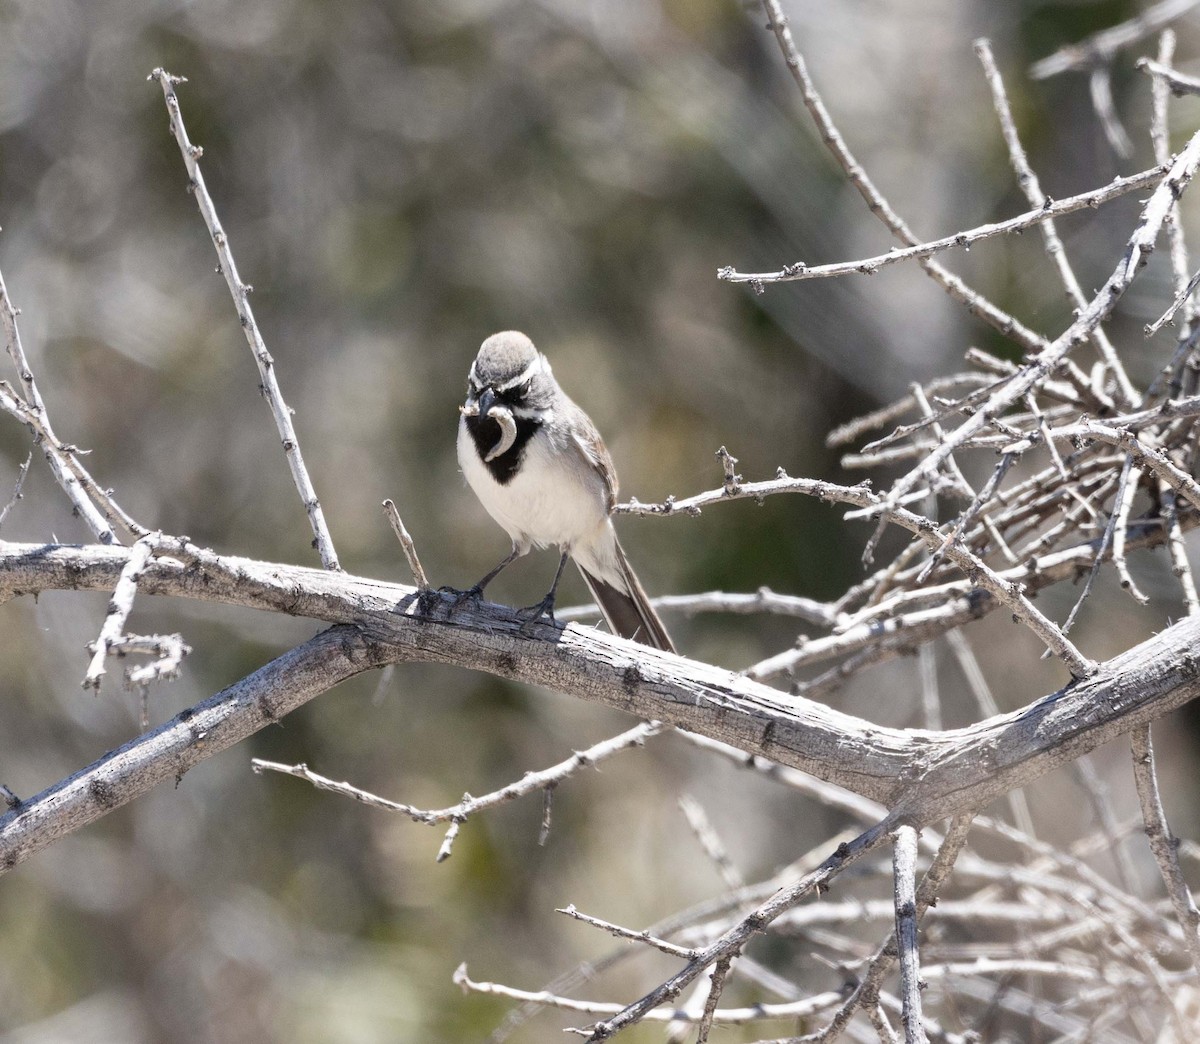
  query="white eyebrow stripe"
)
[
  {"x": 525, "y": 413},
  {"x": 471, "y": 378},
  {"x": 526, "y": 374}
]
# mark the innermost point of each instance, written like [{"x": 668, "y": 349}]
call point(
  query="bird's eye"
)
[{"x": 525, "y": 389}]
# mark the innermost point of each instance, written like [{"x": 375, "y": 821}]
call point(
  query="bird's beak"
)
[{"x": 478, "y": 406}]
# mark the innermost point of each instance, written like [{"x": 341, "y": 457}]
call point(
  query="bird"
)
[{"x": 541, "y": 470}]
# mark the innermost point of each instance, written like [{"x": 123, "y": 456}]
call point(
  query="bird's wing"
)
[{"x": 587, "y": 440}]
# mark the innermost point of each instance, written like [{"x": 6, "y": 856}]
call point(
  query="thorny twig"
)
[
  {"x": 458, "y": 814},
  {"x": 241, "y": 299},
  {"x": 406, "y": 545}
]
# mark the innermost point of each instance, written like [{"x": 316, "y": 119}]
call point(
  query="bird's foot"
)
[
  {"x": 532, "y": 614},
  {"x": 431, "y": 597}
]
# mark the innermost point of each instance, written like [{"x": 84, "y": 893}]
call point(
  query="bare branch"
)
[
  {"x": 1138, "y": 249},
  {"x": 919, "y": 251},
  {"x": 1163, "y": 844},
  {"x": 54, "y": 456},
  {"x": 1032, "y": 188},
  {"x": 966, "y": 767},
  {"x": 730, "y": 1017},
  {"x": 710, "y": 841},
  {"x": 904, "y": 860},
  {"x": 22, "y": 471},
  {"x": 764, "y": 600},
  {"x": 406, "y": 545},
  {"x": 170, "y": 649},
  {"x": 732, "y": 941},
  {"x": 980, "y": 574},
  {"x": 119, "y": 609},
  {"x": 866, "y": 992},
  {"x": 458, "y": 814},
  {"x": 241, "y": 299},
  {"x": 1160, "y": 137},
  {"x": 258, "y": 700},
  {"x": 75, "y": 481},
  {"x": 1100, "y": 89},
  {"x": 720, "y": 975},
  {"x": 646, "y": 937},
  {"x": 1103, "y": 46},
  {"x": 1178, "y": 83},
  {"x": 975, "y": 303}
]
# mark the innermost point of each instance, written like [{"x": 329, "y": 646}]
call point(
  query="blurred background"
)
[{"x": 398, "y": 180}]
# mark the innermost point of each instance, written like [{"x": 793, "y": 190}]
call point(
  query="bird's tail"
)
[{"x": 620, "y": 596}]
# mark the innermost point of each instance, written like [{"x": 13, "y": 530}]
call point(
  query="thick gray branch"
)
[
  {"x": 258, "y": 700},
  {"x": 922, "y": 776}
]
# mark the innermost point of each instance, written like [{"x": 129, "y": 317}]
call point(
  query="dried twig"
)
[
  {"x": 406, "y": 545},
  {"x": 1176, "y": 82},
  {"x": 1043, "y": 211},
  {"x": 458, "y": 814},
  {"x": 729, "y": 1017},
  {"x": 22, "y": 471},
  {"x": 764, "y": 600},
  {"x": 866, "y": 992},
  {"x": 1032, "y": 188},
  {"x": 646, "y": 937},
  {"x": 732, "y": 941},
  {"x": 1138, "y": 249},
  {"x": 1101, "y": 47},
  {"x": 720, "y": 975},
  {"x": 975, "y": 302},
  {"x": 119, "y": 609},
  {"x": 33, "y": 402},
  {"x": 241, "y": 299},
  {"x": 980, "y": 574},
  {"x": 904, "y": 861},
  {"x": 710, "y": 841},
  {"x": 78, "y": 484},
  {"x": 1163, "y": 844}
]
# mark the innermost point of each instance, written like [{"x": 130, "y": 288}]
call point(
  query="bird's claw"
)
[
  {"x": 532, "y": 614},
  {"x": 431, "y": 597}
]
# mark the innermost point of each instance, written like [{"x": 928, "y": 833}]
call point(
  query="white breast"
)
[{"x": 555, "y": 498}]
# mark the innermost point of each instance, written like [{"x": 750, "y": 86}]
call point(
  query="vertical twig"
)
[
  {"x": 1032, "y": 188},
  {"x": 241, "y": 299},
  {"x": 1163, "y": 844},
  {"x": 1100, "y": 88},
  {"x": 720, "y": 974},
  {"x": 119, "y": 608},
  {"x": 406, "y": 544},
  {"x": 879, "y": 1022},
  {"x": 1180, "y": 565},
  {"x": 988, "y": 708},
  {"x": 1093, "y": 785},
  {"x": 904, "y": 891},
  {"x": 1131, "y": 478},
  {"x": 22, "y": 471},
  {"x": 957, "y": 478},
  {"x": 710, "y": 841},
  {"x": 1160, "y": 138},
  {"x": 866, "y": 993},
  {"x": 930, "y": 698}
]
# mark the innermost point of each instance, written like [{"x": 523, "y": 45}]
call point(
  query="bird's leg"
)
[
  {"x": 545, "y": 607},
  {"x": 475, "y": 592}
]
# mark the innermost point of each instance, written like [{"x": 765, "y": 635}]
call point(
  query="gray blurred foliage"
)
[{"x": 398, "y": 180}]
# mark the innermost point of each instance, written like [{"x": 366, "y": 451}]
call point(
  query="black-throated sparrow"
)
[{"x": 540, "y": 468}]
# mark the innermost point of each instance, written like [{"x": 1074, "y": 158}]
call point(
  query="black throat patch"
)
[{"x": 485, "y": 433}]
